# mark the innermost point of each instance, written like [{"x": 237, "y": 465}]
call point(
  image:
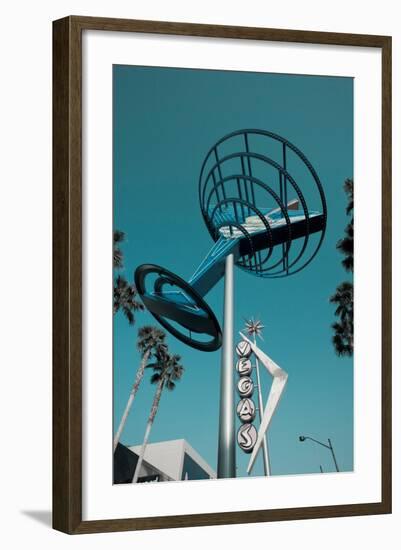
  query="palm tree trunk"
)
[
  {"x": 138, "y": 378},
  {"x": 152, "y": 415}
]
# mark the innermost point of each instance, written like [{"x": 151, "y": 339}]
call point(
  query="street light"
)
[{"x": 329, "y": 446}]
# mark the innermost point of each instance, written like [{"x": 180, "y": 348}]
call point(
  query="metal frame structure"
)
[
  {"x": 212, "y": 189},
  {"x": 249, "y": 217}
]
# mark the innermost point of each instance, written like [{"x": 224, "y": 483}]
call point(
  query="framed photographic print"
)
[{"x": 222, "y": 318}]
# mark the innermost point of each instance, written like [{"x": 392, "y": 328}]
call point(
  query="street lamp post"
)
[{"x": 329, "y": 446}]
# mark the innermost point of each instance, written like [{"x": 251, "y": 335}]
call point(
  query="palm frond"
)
[
  {"x": 344, "y": 327},
  {"x": 155, "y": 378},
  {"x": 118, "y": 236},
  {"x": 349, "y": 190},
  {"x": 151, "y": 366},
  {"x": 348, "y": 263},
  {"x": 124, "y": 298},
  {"x": 118, "y": 257},
  {"x": 129, "y": 315},
  {"x": 167, "y": 368},
  {"x": 151, "y": 339}
]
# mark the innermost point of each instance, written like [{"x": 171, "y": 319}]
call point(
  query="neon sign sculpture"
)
[{"x": 261, "y": 221}]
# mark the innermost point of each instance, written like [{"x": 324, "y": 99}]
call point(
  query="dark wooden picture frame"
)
[{"x": 67, "y": 274}]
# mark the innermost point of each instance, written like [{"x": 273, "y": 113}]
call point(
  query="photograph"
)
[
  {"x": 196, "y": 375},
  {"x": 232, "y": 274}
]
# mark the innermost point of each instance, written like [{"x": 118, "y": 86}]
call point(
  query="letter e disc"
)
[{"x": 244, "y": 366}]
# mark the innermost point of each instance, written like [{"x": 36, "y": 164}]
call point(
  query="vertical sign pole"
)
[
  {"x": 226, "y": 450},
  {"x": 266, "y": 458}
]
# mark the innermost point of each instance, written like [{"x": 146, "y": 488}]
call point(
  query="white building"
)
[{"x": 175, "y": 460}]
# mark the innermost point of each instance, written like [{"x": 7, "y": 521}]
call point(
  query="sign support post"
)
[
  {"x": 266, "y": 458},
  {"x": 226, "y": 451}
]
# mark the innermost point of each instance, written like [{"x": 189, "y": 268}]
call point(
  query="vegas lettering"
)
[{"x": 246, "y": 410}]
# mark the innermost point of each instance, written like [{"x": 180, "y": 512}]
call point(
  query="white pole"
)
[
  {"x": 226, "y": 451},
  {"x": 266, "y": 457}
]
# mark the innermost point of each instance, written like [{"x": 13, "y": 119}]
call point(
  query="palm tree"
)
[
  {"x": 118, "y": 258},
  {"x": 150, "y": 343},
  {"x": 346, "y": 245},
  {"x": 349, "y": 189},
  {"x": 124, "y": 295},
  {"x": 343, "y": 338},
  {"x": 167, "y": 371}
]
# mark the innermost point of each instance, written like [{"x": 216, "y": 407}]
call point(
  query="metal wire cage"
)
[{"x": 250, "y": 188}]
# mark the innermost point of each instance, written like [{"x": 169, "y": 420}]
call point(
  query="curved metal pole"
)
[
  {"x": 226, "y": 449},
  {"x": 329, "y": 446},
  {"x": 316, "y": 441}
]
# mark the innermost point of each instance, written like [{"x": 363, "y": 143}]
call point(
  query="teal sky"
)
[{"x": 164, "y": 122}]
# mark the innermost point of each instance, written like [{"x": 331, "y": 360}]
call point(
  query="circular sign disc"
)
[
  {"x": 245, "y": 386},
  {"x": 246, "y": 437},
  {"x": 243, "y": 349},
  {"x": 246, "y": 410},
  {"x": 244, "y": 366}
]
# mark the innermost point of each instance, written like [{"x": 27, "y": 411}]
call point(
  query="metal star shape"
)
[{"x": 254, "y": 327}]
